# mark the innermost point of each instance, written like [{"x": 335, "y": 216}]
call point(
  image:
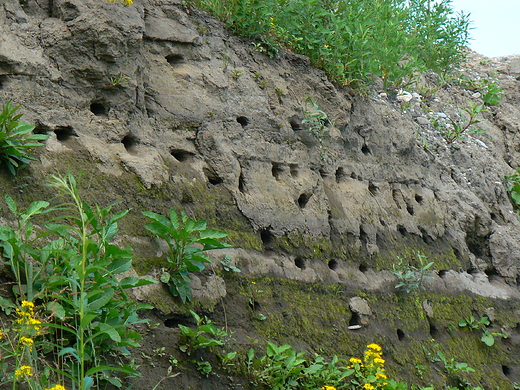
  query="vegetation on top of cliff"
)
[{"x": 354, "y": 41}]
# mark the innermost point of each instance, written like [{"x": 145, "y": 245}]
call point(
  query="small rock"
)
[
  {"x": 404, "y": 97},
  {"x": 476, "y": 95},
  {"x": 422, "y": 120}
]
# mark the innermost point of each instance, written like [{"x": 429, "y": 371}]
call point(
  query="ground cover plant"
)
[
  {"x": 353, "y": 41},
  {"x": 72, "y": 309}
]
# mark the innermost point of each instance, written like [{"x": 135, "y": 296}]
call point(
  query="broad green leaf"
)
[
  {"x": 101, "y": 300},
  {"x": 160, "y": 219}
]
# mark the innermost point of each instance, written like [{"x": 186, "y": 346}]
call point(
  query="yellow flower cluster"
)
[
  {"x": 370, "y": 371},
  {"x": 328, "y": 388},
  {"x": 23, "y": 371},
  {"x": 26, "y": 341},
  {"x": 57, "y": 387},
  {"x": 25, "y": 317}
]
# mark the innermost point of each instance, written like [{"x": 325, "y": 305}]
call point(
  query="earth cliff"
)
[{"x": 201, "y": 122}]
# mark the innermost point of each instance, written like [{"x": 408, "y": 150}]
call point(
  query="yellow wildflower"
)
[
  {"x": 56, "y": 387},
  {"x": 368, "y": 386},
  {"x": 355, "y": 360},
  {"x": 380, "y": 375},
  {"x": 328, "y": 387},
  {"x": 379, "y": 361},
  {"x": 28, "y": 304},
  {"x": 373, "y": 346},
  {"x": 1, "y": 335},
  {"x": 23, "y": 371},
  {"x": 27, "y": 341}
]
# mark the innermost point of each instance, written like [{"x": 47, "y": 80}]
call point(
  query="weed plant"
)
[
  {"x": 354, "y": 41},
  {"x": 69, "y": 271},
  {"x": 16, "y": 140},
  {"x": 412, "y": 279},
  {"x": 187, "y": 240}
]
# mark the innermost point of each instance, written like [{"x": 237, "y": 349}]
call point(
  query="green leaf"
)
[
  {"x": 488, "y": 339},
  {"x": 159, "y": 219},
  {"x": 132, "y": 281},
  {"x": 56, "y": 309},
  {"x": 11, "y": 204},
  {"x": 87, "y": 382},
  {"x": 101, "y": 300}
]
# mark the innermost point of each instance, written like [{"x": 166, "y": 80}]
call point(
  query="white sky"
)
[{"x": 496, "y": 25}]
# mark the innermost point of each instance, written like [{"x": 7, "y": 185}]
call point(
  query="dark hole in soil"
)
[
  {"x": 243, "y": 121},
  {"x": 333, "y": 264},
  {"x": 181, "y": 154},
  {"x": 175, "y": 321},
  {"x": 443, "y": 272},
  {"x": 400, "y": 335},
  {"x": 354, "y": 320},
  {"x": 254, "y": 305},
  {"x": 418, "y": 198},
  {"x": 300, "y": 263},
  {"x": 303, "y": 200},
  {"x": 365, "y": 149},
  {"x": 382, "y": 222},
  {"x": 294, "y": 170},
  {"x": 295, "y": 125},
  {"x": 340, "y": 175},
  {"x": 277, "y": 170},
  {"x": 64, "y": 133},
  {"x": 491, "y": 272},
  {"x": 174, "y": 59},
  {"x": 434, "y": 332},
  {"x": 363, "y": 268},
  {"x": 506, "y": 370},
  {"x": 266, "y": 236},
  {"x": 241, "y": 183},
  {"x": 98, "y": 109},
  {"x": 212, "y": 176},
  {"x": 42, "y": 129},
  {"x": 3, "y": 78},
  {"x": 372, "y": 188},
  {"x": 130, "y": 143},
  {"x": 409, "y": 208},
  {"x": 402, "y": 230}
]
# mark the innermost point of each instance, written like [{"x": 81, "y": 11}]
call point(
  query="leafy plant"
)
[
  {"x": 354, "y": 41},
  {"x": 317, "y": 122},
  {"x": 228, "y": 265},
  {"x": 472, "y": 323},
  {"x": 412, "y": 279},
  {"x": 72, "y": 268},
  {"x": 461, "y": 127},
  {"x": 119, "y": 79},
  {"x": 16, "y": 140},
  {"x": 488, "y": 337},
  {"x": 187, "y": 240},
  {"x": 205, "y": 335},
  {"x": 491, "y": 92},
  {"x": 283, "y": 368}
]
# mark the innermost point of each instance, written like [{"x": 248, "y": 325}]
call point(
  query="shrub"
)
[{"x": 353, "y": 41}]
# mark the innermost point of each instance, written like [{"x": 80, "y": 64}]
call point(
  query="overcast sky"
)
[{"x": 496, "y": 25}]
